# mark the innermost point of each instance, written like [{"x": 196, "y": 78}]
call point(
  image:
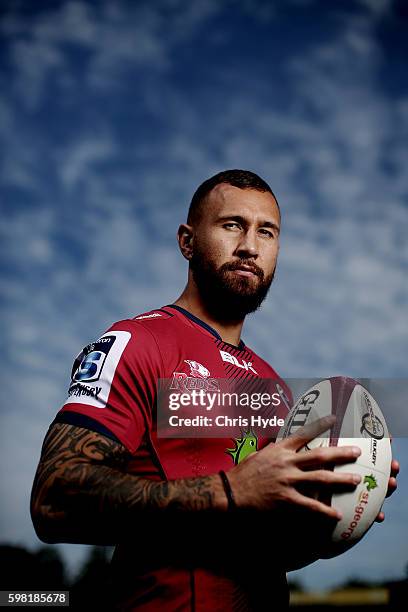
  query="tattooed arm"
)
[{"x": 83, "y": 494}]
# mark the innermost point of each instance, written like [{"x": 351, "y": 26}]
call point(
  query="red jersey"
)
[{"x": 194, "y": 563}]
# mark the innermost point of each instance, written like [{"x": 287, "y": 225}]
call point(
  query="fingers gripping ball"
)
[{"x": 359, "y": 422}]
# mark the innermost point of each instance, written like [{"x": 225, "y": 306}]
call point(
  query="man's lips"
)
[{"x": 245, "y": 270}]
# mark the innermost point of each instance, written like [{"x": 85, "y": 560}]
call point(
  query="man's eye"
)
[
  {"x": 267, "y": 233},
  {"x": 232, "y": 224}
]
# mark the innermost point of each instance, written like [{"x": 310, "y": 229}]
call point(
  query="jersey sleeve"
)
[{"x": 113, "y": 384}]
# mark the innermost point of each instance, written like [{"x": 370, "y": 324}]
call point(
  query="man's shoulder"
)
[
  {"x": 153, "y": 315},
  {"x": 146, "y": 335},
  {"x": 150, "y": 323}
]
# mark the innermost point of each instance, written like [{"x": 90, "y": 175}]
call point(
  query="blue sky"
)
[{"x": 111, "y": 114}]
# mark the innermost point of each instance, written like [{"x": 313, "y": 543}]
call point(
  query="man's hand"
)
[
  {"x": 270, "y": 478},
  {"x": 392, "y": 486}
]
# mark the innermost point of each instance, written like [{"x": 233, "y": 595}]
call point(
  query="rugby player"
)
[{"x": 196, "y": 525}]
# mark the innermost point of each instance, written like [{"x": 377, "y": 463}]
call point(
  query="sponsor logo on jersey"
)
[
  {"x": 244, "y": 365},
  {"x": 149, "y": 316},
  {"x": 79, "y": 390},
  {"x": 94, "y": 369},
  {"x": 93, "y": 358}
]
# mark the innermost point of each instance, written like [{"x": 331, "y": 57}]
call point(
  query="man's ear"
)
[{"x": 185, "y": 235}]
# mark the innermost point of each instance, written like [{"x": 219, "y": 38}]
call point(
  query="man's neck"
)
[{"x": 230, "y": 331}]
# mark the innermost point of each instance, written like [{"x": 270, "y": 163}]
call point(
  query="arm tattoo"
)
[{"x": 83, "y": 483}]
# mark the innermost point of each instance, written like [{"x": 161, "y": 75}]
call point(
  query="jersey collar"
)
[{"x": 189, "y": 315}]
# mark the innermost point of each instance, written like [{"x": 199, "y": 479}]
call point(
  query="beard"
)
[{"x": 229, "y": 297}]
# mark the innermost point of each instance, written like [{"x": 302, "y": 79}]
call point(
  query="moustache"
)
[{"x": 236, "y": 265}]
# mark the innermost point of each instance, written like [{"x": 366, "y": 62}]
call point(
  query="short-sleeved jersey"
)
[{"x": 197, "y": 562}]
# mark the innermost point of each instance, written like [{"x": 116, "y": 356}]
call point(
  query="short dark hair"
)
[{"x": 244, "y": 179}]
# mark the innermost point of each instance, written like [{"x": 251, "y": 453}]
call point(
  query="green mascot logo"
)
[
  {"x": 371, "y": 482},
  {"x": 243, "y": 447}
]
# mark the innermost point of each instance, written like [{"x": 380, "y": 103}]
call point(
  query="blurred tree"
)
[
  {"x": 21, "y": 569},
  {"x": 359, "y": 583},
  {"x": 296, "y": 586}
]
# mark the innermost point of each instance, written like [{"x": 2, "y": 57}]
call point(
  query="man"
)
[{"x": 196, "y": 525}]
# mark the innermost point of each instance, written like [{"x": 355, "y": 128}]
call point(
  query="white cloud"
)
[
  {"x": 34, "y": 61},
  {"x": 79, "y": 156},
  {"x": 377, "y": 7},
  {"x": 111, "y": 37}
]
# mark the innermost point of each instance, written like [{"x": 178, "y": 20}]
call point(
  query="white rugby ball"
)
[{"x": 359, "y": 422}]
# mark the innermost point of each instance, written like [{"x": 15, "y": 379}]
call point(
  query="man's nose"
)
[{"x": 247, "y": 246}]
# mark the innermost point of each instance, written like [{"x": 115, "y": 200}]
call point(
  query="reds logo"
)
[
  {"x": 199, "y": 378},
  {"x": 197, "y": 370}
]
